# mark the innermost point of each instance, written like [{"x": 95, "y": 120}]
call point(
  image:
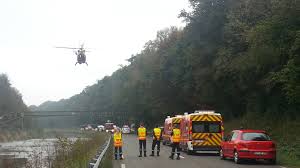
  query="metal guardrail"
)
[{"x": 100, "y": 155}]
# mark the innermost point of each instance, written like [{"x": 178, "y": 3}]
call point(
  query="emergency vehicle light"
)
[{"x": 205, "y": 112}]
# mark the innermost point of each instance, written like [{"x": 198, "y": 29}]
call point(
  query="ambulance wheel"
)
[{"x": 190, "y": 152}]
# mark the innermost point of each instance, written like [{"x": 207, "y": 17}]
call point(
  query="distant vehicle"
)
[
  {"x": 168, "y": 126},
  {"x": 88, "y": 127},
  {"x": 80, "y": 53},
  {"x": 94, "y": 126},
  {"x": 82, "y": 127},
  {"x": 201, "y": 131},
  {"x": 125, "y": 129},
  {"x": 101, "y": 128},
  {"x": 132, "y": 128},
  {"x": 109, "y": 127},
  {"x": 248, "y": 144}
]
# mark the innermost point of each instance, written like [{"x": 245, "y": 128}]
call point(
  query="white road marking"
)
[
  {"x": 181, "y": 157},
  {"x": 123, "y": 166}
]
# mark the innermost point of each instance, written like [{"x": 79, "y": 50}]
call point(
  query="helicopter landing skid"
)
[{"x": 81, "y": 63}]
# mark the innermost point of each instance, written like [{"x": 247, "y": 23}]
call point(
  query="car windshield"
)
[
  {"x": 255, "y": 136},
  {"x": 206, "y": 127}
]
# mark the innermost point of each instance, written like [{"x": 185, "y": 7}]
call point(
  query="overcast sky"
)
[{"x": 113, "y": 29}]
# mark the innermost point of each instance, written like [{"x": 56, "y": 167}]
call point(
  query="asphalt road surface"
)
[{"x": 132, "y": 160}]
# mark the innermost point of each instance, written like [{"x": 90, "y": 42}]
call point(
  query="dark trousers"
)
[
  {"x": 142, "y": 144},
  {"x": 175, "y": 145},
  {"x": 118, "y": 150},
  {"x": 154, "y": 143}
]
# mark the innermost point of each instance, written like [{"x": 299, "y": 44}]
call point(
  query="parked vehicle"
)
[
  {"x": 101, "y": 128},
  {"x": 88, "y": 127},
  {"x": 132, "y": 128},
  {"x": 125, "y": 129},
  {"x": 94, "y": 127},
  {"x": 109, "y": 126},
  {"x": 248, "y": 144},
  {"x": 201, "y": 131},
  {"x": 162, "y": 129},
  {"x": 168, "y": 126},
  {"x": 82, "y": 127}
]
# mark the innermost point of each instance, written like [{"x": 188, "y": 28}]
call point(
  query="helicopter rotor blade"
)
[{"x": 68, "y": 48}]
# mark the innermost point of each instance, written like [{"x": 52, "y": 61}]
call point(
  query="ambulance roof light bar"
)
[{"x": 205, "y": 112}]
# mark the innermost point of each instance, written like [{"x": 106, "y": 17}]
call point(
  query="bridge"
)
[{"x": 12, "y": 117}]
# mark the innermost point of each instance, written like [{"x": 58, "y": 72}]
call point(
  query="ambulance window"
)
[
  {"x": 176, "y": 125},
  {"x": 214, "y": 128},
  {"x": 186, "y": 126},
  {"x": 169, "y": 126},
  {"x": 198, "y": 127}
]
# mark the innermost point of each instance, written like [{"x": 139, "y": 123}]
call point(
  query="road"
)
[{"x": 188, "y": 161}]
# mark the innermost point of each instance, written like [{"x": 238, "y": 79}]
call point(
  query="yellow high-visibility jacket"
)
[{"x": 142, "y": 133}]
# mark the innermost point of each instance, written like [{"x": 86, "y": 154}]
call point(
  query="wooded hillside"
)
[
  {"x": 235, "y": 56},
  {"x": 10, "y": 102}
]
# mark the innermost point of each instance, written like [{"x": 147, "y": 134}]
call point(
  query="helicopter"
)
[{"x": 80, "y": 53}]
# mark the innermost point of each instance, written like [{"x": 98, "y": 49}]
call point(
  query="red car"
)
[{"x": 248, "y": 144}]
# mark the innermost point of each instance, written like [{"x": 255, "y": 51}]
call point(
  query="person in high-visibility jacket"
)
[
  {"x": 176, "y": 134},
  {"x": 156, "y": 140},
  {"x": 118, "y": 144},
  {"x": 142, "y": 133}
]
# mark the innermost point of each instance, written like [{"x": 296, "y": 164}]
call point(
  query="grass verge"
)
[
  {"x": 108, "y": 158},
  {"x": 77, "y": 154}
]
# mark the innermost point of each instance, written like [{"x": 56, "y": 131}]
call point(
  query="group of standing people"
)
[{"x": 142, "y": 136}]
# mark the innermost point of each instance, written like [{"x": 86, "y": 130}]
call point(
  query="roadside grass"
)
[
  {"x": 65, "y": 153},
  {"x": 285, "y": 132},
  {"x": 77, "y": 154},
  {"x": 108, "y": 158}
]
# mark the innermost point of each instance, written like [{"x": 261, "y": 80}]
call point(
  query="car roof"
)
[{"x": 250, "y": 130}]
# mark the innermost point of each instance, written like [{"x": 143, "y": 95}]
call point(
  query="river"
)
[{"x": 32, "y": 152}]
